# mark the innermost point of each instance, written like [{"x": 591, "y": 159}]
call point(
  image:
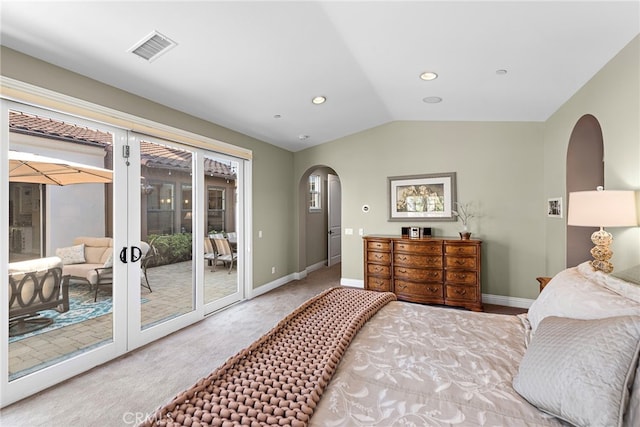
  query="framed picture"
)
[
  {"x": 554, "y": 207},
  {"x": 422, "y": 197}
]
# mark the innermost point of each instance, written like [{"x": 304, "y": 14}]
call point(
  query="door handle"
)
[
  {"x": 136, "y": 254},
  {"x": 123, "y": 255}
]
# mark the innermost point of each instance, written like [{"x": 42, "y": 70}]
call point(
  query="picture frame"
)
[
  {"x": 554, "y": 207},
  {"x": 428, "y": 197}
]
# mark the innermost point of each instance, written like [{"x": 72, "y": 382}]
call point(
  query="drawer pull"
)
[
  {"x": 461, "y": 276},
  {"x": 433, "y": 290},
  {"x": 378, "y": 256},
  {"x": 460, "y": 291},
  {"x": 460, "y": 261},
  {"x": 402, "y": 270},
  {"x": 402, "y": 258},
  {"x": 378, "y": 269}
]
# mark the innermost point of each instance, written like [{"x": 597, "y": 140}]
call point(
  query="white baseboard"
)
[
  {"x": 355, "y": 283},
  {"x": 507, "y": 301},
  {"x": 275, "y": 284},
  {"x": 316, "y": 266}
]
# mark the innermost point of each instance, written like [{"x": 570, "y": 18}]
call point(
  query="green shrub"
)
[{"x": 171, "y": 248}]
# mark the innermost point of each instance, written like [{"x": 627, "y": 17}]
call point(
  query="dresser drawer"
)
[
  {"x": 461, "y": 293},
  {"x": 461, "y": 262},
  {"x": 418, "y": 274},
  {"x": 461, "y": 277},
  {"x": 453, "y": 249},
  {"x": 383, "y": 257},
  {"x": 379, "y": 270},
  {"x": 426, "y": 290},
  {"x": 430, "y": 248},
  {"x": 379, "y": 284},
  {"x": 376, "y": 245},
  {"x": 411, "y": 260}
]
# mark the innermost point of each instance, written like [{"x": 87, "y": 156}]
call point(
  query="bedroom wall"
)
[
  {"x": 498, "y": 166},
  {"x": 613, "y": 97},
  {"x": 272, "y": 166}
]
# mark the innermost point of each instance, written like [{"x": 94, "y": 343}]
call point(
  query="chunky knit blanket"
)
[{"x": 278, "y": 380}]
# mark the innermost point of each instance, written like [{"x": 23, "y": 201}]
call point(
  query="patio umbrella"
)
[{"x": 36, "y": 169}]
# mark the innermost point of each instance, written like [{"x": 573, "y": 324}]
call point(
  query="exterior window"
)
[
  {"x": 315, "y": 193},
  {"x": 216, "y": 209},
  {"x": 160, "y": 209}
]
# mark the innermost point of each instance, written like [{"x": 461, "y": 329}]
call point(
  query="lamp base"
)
[{"x": 601, "y": 252}]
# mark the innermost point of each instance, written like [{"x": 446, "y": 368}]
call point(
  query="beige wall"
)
[
  {"x": 272, "y": 166},
  {"x": 613, "y": 97},
  {"x": 498, "y": 166}
]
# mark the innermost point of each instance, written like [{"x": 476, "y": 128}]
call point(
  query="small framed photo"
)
[{"x": 554, "y": 207}]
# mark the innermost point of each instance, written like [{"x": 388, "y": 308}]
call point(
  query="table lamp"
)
[{"x": 602, "y": 208}]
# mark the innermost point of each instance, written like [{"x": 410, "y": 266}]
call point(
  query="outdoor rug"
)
[{"x": 81, "y": 308}]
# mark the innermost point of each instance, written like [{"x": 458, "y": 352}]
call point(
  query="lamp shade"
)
[{"x": 602, "y": 208}]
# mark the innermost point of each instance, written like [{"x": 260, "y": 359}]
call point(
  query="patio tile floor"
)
[{"x": 172, "y": 295}]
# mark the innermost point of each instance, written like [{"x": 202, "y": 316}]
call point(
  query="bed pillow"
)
[
  {"x": 581, "y": 370},
  {"x": 72, "y": 254},
  {"x": 575, "y": 295},
  {"x": 625, "y": 283}
]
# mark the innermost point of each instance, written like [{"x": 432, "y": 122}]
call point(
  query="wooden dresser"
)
[{"x": 436, "y": 270}]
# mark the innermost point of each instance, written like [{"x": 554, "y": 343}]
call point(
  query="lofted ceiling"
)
[{"x": 254, "y": 66}]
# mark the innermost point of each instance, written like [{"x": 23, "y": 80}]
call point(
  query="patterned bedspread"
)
[{"x": 415, "y": 365}]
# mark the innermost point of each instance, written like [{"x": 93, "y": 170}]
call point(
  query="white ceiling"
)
[{"x": 241, "y": 63}]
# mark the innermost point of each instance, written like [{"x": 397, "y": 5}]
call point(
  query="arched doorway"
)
[
  {"x": 318, "y": 212},
  {"x": 585, "y": 171}
]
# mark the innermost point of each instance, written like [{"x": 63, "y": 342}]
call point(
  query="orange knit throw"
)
[{"x": 278, "y": 380}]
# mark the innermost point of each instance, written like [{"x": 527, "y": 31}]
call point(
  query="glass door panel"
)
[
  {"x": 166, "y": 200},
  {"x": 221, "y": 217},
  {"x": 60, "y": 205}
]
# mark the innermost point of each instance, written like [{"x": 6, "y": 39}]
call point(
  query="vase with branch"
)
[{"x": 464, "y": 213}]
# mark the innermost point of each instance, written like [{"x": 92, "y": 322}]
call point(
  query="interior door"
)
[{"x": 334, "y": 212}]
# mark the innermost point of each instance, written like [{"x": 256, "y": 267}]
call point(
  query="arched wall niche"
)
[{"x": 585, "y": 171}]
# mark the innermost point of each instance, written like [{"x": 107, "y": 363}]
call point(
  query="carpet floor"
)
[{"x": 124, "y": 391}]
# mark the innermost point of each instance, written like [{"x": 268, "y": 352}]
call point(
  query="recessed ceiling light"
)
[
  {"x": 501, "y": 72},
  {"x": 319, "y": 99},
  {"x": 432, "y": 99},
  {"x": 303, "y": 137},
  {"x": 428, "y": 75}
]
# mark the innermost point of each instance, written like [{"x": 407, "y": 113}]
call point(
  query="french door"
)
[{"x": 156, "y": 215}]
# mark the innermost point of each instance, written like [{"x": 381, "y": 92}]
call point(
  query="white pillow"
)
[
  {"x": 571, "y": 294},
  {"x": 581, "y": 370},
  {"x": 72, "y": 254}
]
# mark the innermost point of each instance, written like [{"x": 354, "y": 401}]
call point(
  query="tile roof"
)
[
  {"x": 152, "y": 155},
  {"x": 35, "y": 125}
]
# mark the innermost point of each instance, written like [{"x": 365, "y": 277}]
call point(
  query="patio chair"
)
[
  {"x": 210, "y": 254},
  {"x": 34, "y": 286},
  {"x": 104, "y": 275},
  {"x": 225, "y": 254}
]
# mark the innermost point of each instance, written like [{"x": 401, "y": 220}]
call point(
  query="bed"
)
[{"x": 572, "y": 360}]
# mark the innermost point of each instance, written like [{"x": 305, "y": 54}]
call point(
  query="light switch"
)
[{"x": 348, "y": 231}]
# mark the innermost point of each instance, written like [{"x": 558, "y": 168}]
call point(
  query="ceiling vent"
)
[{"x": 152, "y": 46}]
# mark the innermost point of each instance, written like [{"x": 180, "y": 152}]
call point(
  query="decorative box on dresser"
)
[{"x": 436, "y": 270}]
